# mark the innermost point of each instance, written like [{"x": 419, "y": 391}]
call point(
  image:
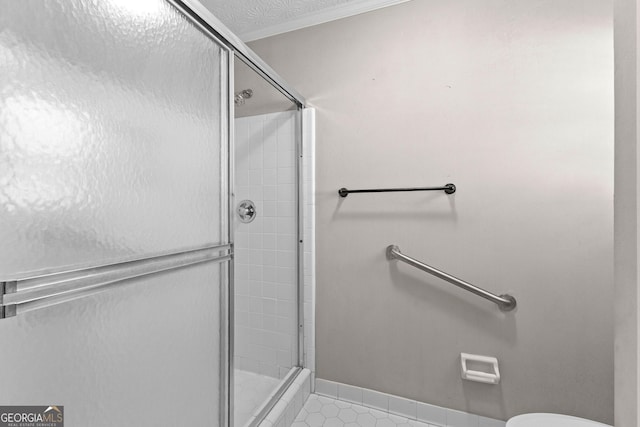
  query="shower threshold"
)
[{"x": 250, "y": 387}]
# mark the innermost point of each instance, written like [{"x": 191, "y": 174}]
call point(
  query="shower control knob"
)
[{"x": 246, "y": 211}]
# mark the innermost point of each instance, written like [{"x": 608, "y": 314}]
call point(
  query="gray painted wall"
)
[{"x": 513, "y": 102}]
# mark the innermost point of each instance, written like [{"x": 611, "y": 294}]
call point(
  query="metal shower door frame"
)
[
  {"x": 22, "y": 293},
  {"x": 233, "y": 46},
  {"x": 15, "y": 293}
]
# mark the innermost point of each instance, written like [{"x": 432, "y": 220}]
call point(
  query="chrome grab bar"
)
[
  {"x": 31, "y": 293},
  {"x": 505, "y": 301}
]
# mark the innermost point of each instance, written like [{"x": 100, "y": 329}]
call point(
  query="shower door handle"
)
[{"x": 32, "y": 293}]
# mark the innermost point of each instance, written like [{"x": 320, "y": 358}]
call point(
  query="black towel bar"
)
[{"x": 448, "y": 188}]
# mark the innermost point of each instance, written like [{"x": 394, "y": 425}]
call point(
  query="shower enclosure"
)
[
  {"x": 266, "y": 230},
  {"x": 131, "y": 293}
]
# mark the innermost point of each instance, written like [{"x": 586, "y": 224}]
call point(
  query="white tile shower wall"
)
[
  {"x": 414, "y": 410},
  {"x": 265, "y": 273}
]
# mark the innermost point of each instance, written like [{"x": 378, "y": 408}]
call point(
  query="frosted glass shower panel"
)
[
  {"x": 110, "y": 133},
  {"x": 111, "y": 149},
  {"x": 142, "y": 353}
]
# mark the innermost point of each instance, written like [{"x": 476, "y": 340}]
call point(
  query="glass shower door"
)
[
  {"x": 114, "y": 212},
  {"x": 267, "y": 296}
]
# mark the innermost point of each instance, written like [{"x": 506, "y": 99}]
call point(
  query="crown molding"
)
[{"x": 331, "y": 14}]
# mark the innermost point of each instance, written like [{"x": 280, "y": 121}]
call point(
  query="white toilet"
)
[{"x": 551, "y": 420}]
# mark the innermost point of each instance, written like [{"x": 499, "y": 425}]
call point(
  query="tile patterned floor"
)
[{"x": 320, "y": 411}]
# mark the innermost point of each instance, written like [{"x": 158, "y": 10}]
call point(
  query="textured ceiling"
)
[{"x": 252, "y": 19}]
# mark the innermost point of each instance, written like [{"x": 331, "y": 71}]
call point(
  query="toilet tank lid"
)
[{"x": 551, "y": 420}]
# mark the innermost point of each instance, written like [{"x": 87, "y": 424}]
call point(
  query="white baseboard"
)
[{"x": 412, "y": 409}]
